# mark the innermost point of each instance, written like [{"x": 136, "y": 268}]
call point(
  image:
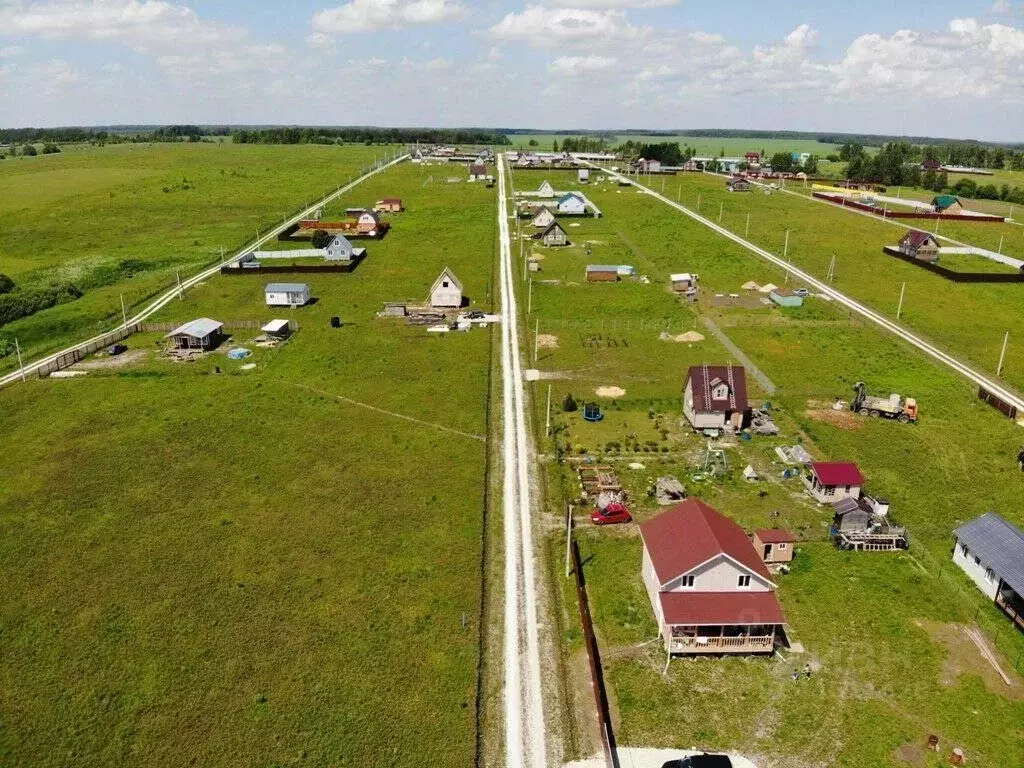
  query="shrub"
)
[
  {"x": 321, "y": 238},
  {"x": 569, "y": 405},
  {"x": 6, "y": 284}
]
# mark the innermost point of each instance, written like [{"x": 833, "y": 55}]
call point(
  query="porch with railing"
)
[
  {"x": 722, "y": 640},
  {"x": 1012, "y": 605}
]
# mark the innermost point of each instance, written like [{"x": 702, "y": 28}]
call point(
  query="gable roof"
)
[
  {"x": 775, "y": 536},
  {"x": 542, "y": 210},
  {"x": 999, "y": 544},
  {"x": 478, "y": 169},
  {"x": 692, "y": 533},
  {"x": 721, "y": 608},
  {"x": 603, "y": 268},
  {"x": 702, "y": 377},
  {"x": 451, "y": 276},
  {"x": 571, "y": 196},
  {"x": 915, "y": 238},
  {"x": 199, "y": 328},
  {"x": 286, "y": 288},
  {"x": 554, "y": 225},
  {"x": 837, "y": 473},
  {"x": 944, "y": 201},
  {"x": 340, "y": 240}
]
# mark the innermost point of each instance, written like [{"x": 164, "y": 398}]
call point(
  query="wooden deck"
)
[
  {"x": 1015, "y": 616},
  {"x": 694, "y": 645}
]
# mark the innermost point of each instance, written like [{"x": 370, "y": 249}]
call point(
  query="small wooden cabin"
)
[
  {"x": 389, "y": 205},
  {"x": 286, "y": 294},
  {"x": 204, "y": 334},
  {"x": 920, "y": 245},
  {"x": 446, "y": 291},
  {"x": 775, "y": 545},
  {"x": 554, "y": 235},
  {"x": 832, "y": 481},
  {"x": 602, "y": 273},
  {"x": 543, "y": 218}
]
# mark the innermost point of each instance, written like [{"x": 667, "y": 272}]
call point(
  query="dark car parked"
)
[{"x": 703, "y": 760}]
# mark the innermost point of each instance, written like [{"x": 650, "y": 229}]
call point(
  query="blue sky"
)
[{"x": 937, "y": 68}]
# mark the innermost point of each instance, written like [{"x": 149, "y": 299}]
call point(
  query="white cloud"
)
[
  {"x": 610, "y": 4},
  {"x": 370, "y": 15},
  {"x": 580, "y": 65},
  {"x": 969, "y": 60},
  {"x": 10, "y": 51},
  {"x": 551, "y": 27},
  {"x": 145, "y": 24},
  {"x": 1001, "y": 6}
]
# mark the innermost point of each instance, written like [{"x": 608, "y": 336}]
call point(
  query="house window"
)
[
  {"x": 781, "y": 545},
  {"x": 828, "y": 490},
  {"x": 743, "y": 581},
  {"x": 977, "y": 560},
  {"x": 445, "y": 283},
  {"x": 990, "y": 574},
  {"x": 687, "y": 581},
  {"x": 963, "y": 550}
]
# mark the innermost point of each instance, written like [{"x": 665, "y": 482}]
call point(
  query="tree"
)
[
  {"x": 29, "y": 150},
  {"x": 850, "y": 150},
  {"x": 782, "y": 162},
  {"x": 554, "y": 145},
  {"x": 570, "y": 405},
  {"x": 941, "y": 182},
  {"x": 811, "y": 166},
  {"x": 321, "y": 238},
  {"x": 50, "y": 148},
  {"x": 532, "y": 142},
  {"x": 6, "y": 284}
]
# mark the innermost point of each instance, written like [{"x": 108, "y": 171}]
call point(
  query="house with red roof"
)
[
  {"x": 920, "y": 245},
  {"x": 709, "y": 588},
  {"x": 832, "y": 481},
  {"x": 715, "y": 397}
]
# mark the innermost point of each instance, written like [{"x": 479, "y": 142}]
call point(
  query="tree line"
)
[{"x": 315, "y": 135}]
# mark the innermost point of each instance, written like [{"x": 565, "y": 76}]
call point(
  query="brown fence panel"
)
[
  {"x": 604, "y": 715},
  {"x": 956, "y": 277},
  {"x": 998, "y": 403}
]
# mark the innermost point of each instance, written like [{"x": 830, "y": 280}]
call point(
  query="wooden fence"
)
[
  {"x": 75, "y": 355},
  {"x": 954, "y": 275},
  {"x": 604, "y": 715}
]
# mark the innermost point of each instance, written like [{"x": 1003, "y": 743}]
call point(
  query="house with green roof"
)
[{"x": 947, "y": 204}]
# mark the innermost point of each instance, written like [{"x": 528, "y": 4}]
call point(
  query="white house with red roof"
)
[
  {"x": 715, "y": 397},
  {"x": 710, "y": 589},
  {"x": 832, "y": 481}
]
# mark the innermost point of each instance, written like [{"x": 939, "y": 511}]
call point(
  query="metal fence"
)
[{"x": 604, "y": 716}]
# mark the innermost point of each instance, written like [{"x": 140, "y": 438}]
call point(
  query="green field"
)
[
  {"x": 208, "y": 565},
  {"x": 879, "y": 629},
  {"x": 124, "y": 219}
]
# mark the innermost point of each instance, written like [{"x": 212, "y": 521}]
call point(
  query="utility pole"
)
[
  {"x": 547, "y": 420},
  {"x": 698, "y": 202},
  {"x": 746, "y": 230},
  {"x": 124, "y": 314},
  {"x": 1000, "y": 245},
  {"x": 721, "y": 209},
  {"x": 679, "y": 194},
  {"x": 785, "y": 248},
  {"x": 536, "y": 340},
  {"x": 222, "y": 254},
  {"x": 899, "y": 309},
  {"x": 181, "y": 293},
  {"x": 21, "y": 365},
  {"x": 1002, "y": 355},
  {"x": 830, "y": 275},
  {"x": 529, "y": 301}
]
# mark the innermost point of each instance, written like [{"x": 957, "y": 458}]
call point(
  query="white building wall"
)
[
  {"x": 721, "y": 574},
  {"x": 446, "y": 297},
  {"x": 653, "y": 587},
  {"x": 977, "y": 571},
  {"x": 703, "y": 420}
]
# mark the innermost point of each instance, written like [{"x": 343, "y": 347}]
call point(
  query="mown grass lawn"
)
[
  {"x": 124, "y": 219},
  {"x": 882, "y": 682},
  {"x": 242, "y": 568}
]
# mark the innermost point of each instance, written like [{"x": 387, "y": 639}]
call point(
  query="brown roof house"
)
[
  {"x": 710, "y": 589},
  {"x": 389, "y": 205},
  {"x": 554, "y": 235},
  {"x": 920, "y": 245},
  {"x": 715, "y": 397}
]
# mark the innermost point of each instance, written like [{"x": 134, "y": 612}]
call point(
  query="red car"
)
[{"x": 611, "y": 515}]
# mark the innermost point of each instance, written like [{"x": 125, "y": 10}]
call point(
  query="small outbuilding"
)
[
  {"x": 277, "y": 329},
  {"x": 784, "y": 297},
  {"x": 546, "y": 190},
  {"x": 367, "y": 222},
  {"x": 204, "y": 334},
  {"x": 389, "y": 205},
  {"x": 738, "y": 185},
  {"x": 583, "y": 175},
  {"x": 446, "y": 291},
  {"x": 554, "y": 235},
  {"x": 682, "y": 282},
  {"x": 920, "y": 245},
  {"x": 287, "y": 294},
  {"x": 602, "y": 273},
  {"x": 947, "y": 204},
  {"x": 775, "y": 545},
  {"x": 478, "y": 172},
  {"x": 832, "y": 481}
]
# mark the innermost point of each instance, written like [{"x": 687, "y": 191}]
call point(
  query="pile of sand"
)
[
  {"x": 610, "y": 391},
  {"x": 690, "y": 337},
  {"x": 547, "y": 341}
]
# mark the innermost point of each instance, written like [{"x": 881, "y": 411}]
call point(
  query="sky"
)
[{"x": 939, "y": 68}]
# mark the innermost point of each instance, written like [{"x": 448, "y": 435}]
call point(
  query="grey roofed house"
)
[
  {"x": 999, "y": 544},
  {"x": 286, "y": 288}
]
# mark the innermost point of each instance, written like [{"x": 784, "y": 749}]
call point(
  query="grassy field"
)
[
  {"x": 124, "y": 219},
  {"x": 217, "y": 566},
  {"x": 968, "y": 320},
  {"x": 880, "y": 630}
]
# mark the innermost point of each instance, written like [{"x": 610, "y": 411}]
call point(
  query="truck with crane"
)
[{"x": 902, "y": 409}]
